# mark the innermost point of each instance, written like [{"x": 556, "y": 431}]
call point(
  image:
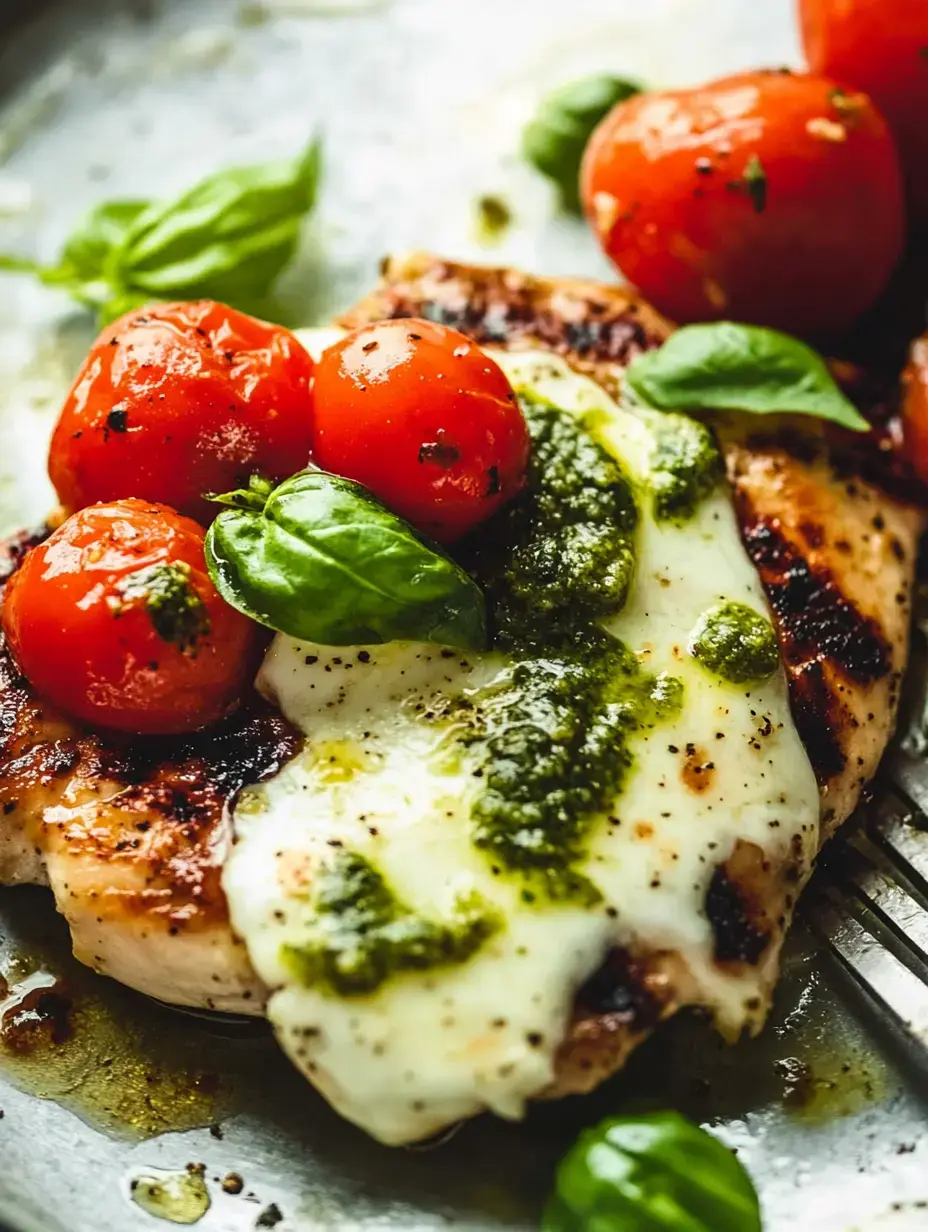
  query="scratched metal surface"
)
[{"x": 420, "y": 103}]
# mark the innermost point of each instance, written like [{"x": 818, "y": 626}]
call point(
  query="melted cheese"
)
[{"x": 429, "y": 1048}]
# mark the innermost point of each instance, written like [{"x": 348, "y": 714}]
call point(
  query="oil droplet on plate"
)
[{"x": 178, "y": 1197}]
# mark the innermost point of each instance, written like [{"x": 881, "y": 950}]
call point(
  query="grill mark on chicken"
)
[
  {"x": 503, "y": 308},
  {"x": 815, "y": 619},
  {"x": 819, "y": 718},
  {"x": 737, "y": 938}
]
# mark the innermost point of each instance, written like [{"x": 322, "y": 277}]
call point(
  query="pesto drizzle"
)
[
  {"x": 552, "y": 740},
  {"x": 358, "y": 933},
  {"x": 686, "y": 465},
  {"x": 736, "y": 643},
  {"x": 177, "y": 612}
]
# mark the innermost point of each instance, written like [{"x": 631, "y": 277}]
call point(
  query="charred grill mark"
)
[
  {"x": 731, "y": 914},
  {"x": 250, "y": 745},
  {"x": 618, "y": 989},
  {"x": 818, "y": 717},
  {"x": 816, "y": 620},
  {"x": 501, "y": 308}
]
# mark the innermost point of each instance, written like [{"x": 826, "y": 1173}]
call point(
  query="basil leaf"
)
[
  {"x": 228, "y": 238},
  {"x": 729, "y": 367},
  {"x": 651, "y": 1173},
  {"x": 322, "y": 559},
  {"x": 554, "y": 141},
  {"x": 88, "y": 250}
]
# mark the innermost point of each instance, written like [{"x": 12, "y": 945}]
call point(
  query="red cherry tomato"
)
[
  {"x": 915, "y": 408},
  {"x": 770, "y": 197},
  {"x": 881, "y": 47},
  {"x": 181, "y": 399},
  {"x": 115, "y": 619},
  {"x": 421, "y": 416}
]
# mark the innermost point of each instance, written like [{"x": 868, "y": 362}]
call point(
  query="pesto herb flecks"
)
[
  {"x": 735, "y": 642},
  {"x": 358, "y": 933},
  {"x": 686, "y": 465},
  {"x": 552, "y": 737},
  {"x": 177, "y": 612},
  {"x": 565, "y": 552}
]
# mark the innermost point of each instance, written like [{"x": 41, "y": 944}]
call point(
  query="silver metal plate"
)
[{"x": 420, "y": 103}]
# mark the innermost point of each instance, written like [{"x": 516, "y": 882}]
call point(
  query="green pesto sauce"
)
[
  {"x": 736, "y": 643},
  {"x": 177, "y": 613},
  {"x": 358, "y": 933},
  {"x": 686, "y": 464},
  {"x": 552, "y": 740}
]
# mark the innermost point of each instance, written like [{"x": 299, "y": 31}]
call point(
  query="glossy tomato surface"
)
[
  {"x": 771, "y": 197},
  {"x": 115, "y": 619},
  {"x": 881, "y": 47},
  {"x": 178, "y": 400},
  {"x": 421, "y": 416}
]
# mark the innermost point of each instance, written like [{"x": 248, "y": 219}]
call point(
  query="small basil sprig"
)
[
  {"x": 651, "y": 1173},
  {"x": 554, "y": 141},
  {"x": 729, "y": 367},
  {"x": 320, "y": 558},
  {"x": 228, "y": 238}
]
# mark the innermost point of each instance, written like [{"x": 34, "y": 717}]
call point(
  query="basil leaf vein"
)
[
  {"x": 228, "y": 238},
  {"x": 323, "y": 560},
  {"x": 729, "y": 367}
]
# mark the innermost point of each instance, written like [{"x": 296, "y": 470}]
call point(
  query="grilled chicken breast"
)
[{"x": 131, "y": 836}]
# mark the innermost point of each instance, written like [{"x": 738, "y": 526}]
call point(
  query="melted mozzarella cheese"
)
[{"x": 377, "y": 777}]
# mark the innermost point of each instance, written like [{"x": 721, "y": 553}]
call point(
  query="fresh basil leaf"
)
[
  {"x": 554, "y": 141},
  {"x": 228, "y": 238},
  {"x": 89, "y": 249},
  {"x": 651, "y": 1173},
  {"x": 729, "y": 367},
  {"x": 322, "y": 559}
]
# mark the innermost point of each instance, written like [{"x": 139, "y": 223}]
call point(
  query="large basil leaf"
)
[
  {"x": 651, "y": 1173},
  {"x": 729, "y": 367},
  {"x": 554, "y": 140},
  {"x": 320, "y": 558},
  {"x": 228, "y": 238}
]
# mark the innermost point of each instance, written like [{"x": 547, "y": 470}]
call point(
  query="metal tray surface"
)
[{"x": 420, "y": 103}]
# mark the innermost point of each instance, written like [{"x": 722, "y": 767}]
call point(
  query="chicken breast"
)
[{"x": 131, "y": 836}]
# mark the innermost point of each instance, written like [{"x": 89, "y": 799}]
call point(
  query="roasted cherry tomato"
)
[
  {"x": 115, "y": 619},
  {"x": 915, "y": 408},
  {"x": 880, "y": 46},
  {"x": 771, "y": 197},
  {"x": 178, "y": 400},
  {"x": 421, "y": 416}
]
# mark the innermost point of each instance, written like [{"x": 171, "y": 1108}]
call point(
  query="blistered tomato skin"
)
[
  {"x": 771, "y": 197},
  {"x": 881, "y": 47},
  {"x": 421, "y": 416},
  {"x": 115, "y": 619},
  {"x": 178, "y": 400}
]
